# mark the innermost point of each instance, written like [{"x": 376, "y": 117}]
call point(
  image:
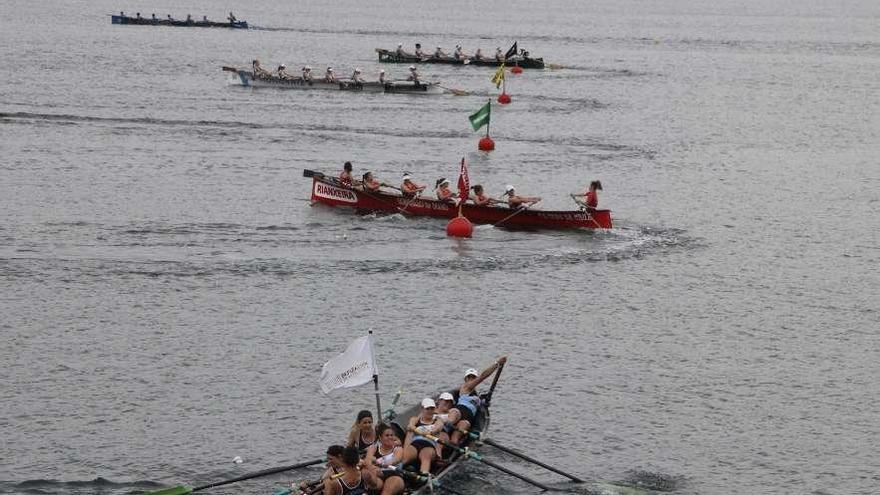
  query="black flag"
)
[{"x": 511, "y": 52}]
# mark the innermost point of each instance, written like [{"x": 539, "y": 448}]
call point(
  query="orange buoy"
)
[
  {"x": 459, "y": 227},
  {"x": 516, "y": 69},
  {"x": 504, "y": 98},
  {"x": 486, "y": 144}
]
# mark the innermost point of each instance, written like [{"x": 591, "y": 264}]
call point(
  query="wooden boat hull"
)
[
  {"x": 391, "y": 57},
  {"x": 246, "y": 78},
  {"x": 143, "y": 21},
  {"x": 329, "y": 191}
]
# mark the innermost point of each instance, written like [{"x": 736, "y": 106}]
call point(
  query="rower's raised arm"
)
[{"x": 486, "y": 373}]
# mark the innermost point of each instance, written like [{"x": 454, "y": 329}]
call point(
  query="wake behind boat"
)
[
  {"x": 330, "y": 191},
  {"x": 247, "y": 78}
]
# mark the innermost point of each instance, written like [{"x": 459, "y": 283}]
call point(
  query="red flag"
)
[{"x": 464, "y": 183}]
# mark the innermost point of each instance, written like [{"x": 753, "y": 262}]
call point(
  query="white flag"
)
[{"x": 356, "y": 366}]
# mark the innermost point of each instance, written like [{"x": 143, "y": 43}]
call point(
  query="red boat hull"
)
[{"x": 330, "y": 192}]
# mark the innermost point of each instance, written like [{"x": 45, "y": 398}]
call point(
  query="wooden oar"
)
[
  {"x": 456, "y": 92},
  {"x": 478, "y": 457},
  {"x": 524, "y": 457},
  {"x": 517, "y": 212},
  {"x": 229, "y": 69},
  {"x": 183, "y": 490}
]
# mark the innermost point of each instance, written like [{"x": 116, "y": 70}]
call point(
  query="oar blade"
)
[{"x": 177, "y": 490}]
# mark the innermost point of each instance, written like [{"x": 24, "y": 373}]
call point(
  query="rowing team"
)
[
  {"x": 189, "y": 18},
  {"x": 329, "y": 75},
  {"x": 457, "y": 54},
  {"x": 443, "y": 191},
  {"x": 375, "y": 457}
]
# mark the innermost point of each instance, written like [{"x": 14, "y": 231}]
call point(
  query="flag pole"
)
[
  {"x": 376, "y": 383},
  {"x": 490, "y": 118}
]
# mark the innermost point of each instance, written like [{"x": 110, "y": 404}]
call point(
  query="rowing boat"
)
[
  {"x": 247, "y": 78},
  {"x": 143, "y": 21},
  {"x": 329, "y": 191},
  {"x": 390, "y": 56}
]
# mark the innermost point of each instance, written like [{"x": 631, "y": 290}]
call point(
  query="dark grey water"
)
[{"x": 168, "y": 296}]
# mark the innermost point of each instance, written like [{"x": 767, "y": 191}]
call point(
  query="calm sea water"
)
[{"x": 168, "y": 295}]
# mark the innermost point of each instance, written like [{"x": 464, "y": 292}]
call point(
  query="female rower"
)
[
  {"x": 329, "y": 76},
  {"x": 370, "y": 183},
  {"x": 482, "y": 199},
  {"x": 381, "y": 459},
  {"x": 591, "y": 197},
  {"x": 334, "y": 466},
  {"x": 345, "y": 175},
  {"x": 409, "y": 188},
  {"x": 352, "y": 481},
  {"x": 444, "y": 405},
  {"x": 515, "y": 201},
  {"x": 418, "y": 447},
  {"x": 443, "y": 191},
  {"x": 465, "y": 410},
  {"x": 362, "y": 433}
]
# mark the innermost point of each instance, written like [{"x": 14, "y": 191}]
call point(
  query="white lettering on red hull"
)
[{"x": 327, "y": 191}]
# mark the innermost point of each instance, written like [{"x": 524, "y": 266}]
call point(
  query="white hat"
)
[
  {"x": 446, "y": 396},
  {"x": 382, "y": 71},
  {"x": 428, "y": 402},
  {"x": 399, "y": 45},
  {"x": 470, "y": 371},
  {"x": 412, "y": 67},
  {"x": 445, "y": 181},
  {"x": 329, "y": 69},
  {"x": 282, "y": 66},
  {"x": 307, "y": 68},
  {"x": 458, "y": 46},
  {"x": 407, "y": 177},
  {"x": 358, "y": 70},
  {"x": 508, "y": 189}
]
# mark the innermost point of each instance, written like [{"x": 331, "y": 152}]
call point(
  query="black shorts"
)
[
  {"x": 386, "y": 473},
  {"x": 421, "y": 443},
  {"x": 466, "y": 414}
]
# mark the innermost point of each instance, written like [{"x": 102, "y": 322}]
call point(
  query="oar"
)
[
  {"x": 478, "y": 457},
  {"x": 183, "y": 490},
  {"x": 312, "y": 487},
  {"x": 517, "y": 212},
  {"x": 456, "y": 92},
  {"x": 525, "y": 457},
  {"x": 229, "y": 69},
  {"x": 586, "y": 209},
  {"x": 312, "y": 173},
  {"x": 555, "y": 66},
  {"x": 494, "y": 382}
]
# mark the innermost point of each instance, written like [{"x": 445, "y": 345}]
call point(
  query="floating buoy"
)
[
  {"x": 504, "y": 98},
  {"x": 459, "y": 227},
  {"x": 486, "y": 144},
  {"x": 238, "y": 460},
  {"x": 516, "y": 69}
]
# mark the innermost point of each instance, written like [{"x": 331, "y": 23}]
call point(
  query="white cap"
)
[
  {"x": 307, "y": 68},
  {"x": 382, "y": 71},
  {"x": 399, "y": 45},
  {"x": 445, "y": 181},
  {"x": 428, "y": 402},
  {"x": 412, "y": 67},
  {"x": 358, "y": 70},
  {"x": 470, "y": 371},
  {"x": 406, "y": 177},
  {"x": 329, "y": 69},
  {"x": 508, "y": 188},
  {"x": 282, "y": 66},
  {"x": 458, "y": 46},
  {"x": 446, "y": 396}
]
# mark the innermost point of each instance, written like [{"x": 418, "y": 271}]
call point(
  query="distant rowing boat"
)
[
  {"x": 390, "y": 56},
  {"x": 143, "y": 21},
  {"x": 247, "y": 78},
  {"x": 329, "y": 191}
]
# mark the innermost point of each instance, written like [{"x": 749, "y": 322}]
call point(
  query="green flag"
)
[{"x": 481, "y": 117}]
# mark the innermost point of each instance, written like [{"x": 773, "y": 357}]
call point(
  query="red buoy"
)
[
  {"x": 516, "y": 69},
  {"x": 459, "y": 227},
  {"x": 504, "y": 98},
  {"x": 486, "y": 144}
]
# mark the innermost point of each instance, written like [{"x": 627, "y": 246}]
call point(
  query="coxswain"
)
[
  {"x": 231, "y": 18},
  {"x": 259, "y": 71},
  {"x": 499, "y": 55},
  {"x": 383, "y": 457},
  {"x": 282, "y": 72},
  {"x": 329, "y": 76},
  {"x": 515, "y": 201},
  {"x": 382, "y": 76},
  {"x": 458, "y": 54},
  {"x": 409, "y": 188},
  {"x": 465, "y": 410},
  {"x": 438, "y": 53},
  {"x": 443, "y": 191},
  {"x": 419, "y": 52},
  {"x": 413, "y": 74},
  {"x": 481, "y": 198},
  {"x": 362, "y": 433},
  {"x": 352, "y": 481},
  {"x": 356, "y": 76},
  {"x": 478, "y": 55},
  {"x": 417, "y": 446},
  {"x": 370, "y": 184},
  {"x": 307, "y": 74},
  {"x": 345, "y": 177},
  {"x": 591, "y": 197}
]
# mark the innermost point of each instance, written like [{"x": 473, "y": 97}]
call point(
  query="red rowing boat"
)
[{"x": 329, "y": 191}]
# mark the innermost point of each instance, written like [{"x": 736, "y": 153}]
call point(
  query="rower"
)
[
  {"x": 189, "y": 18},
  {"x": 418, "y": 447},
  {"x": 352, "y": 481},
  {"x": 362, "y": 433},
  {"x": 307, "y": 74},
  {"x": 204, "y": 18},
  {"x": 154, "y": 17},
  {"x": 383, "y": 457},
  {"x": 419, "y": 52},
  {"x": 121, "y": 13},
  {"x": 333, "y": 466},
  {"x": 231, "y": 18},
  {"x": 413, "y": 74},
  {"x": 382, "y": 76},
  {"x": 481, "y": 198},
  {"x": 282, "y": 72},
  {"x": 410, "y": 189},
  {"x": 356, "y": 76},
  {"x": 515, "y": 201},
  {"x": 465, "y": 410},
  {"x": 591, "y": 196},
  {"x": 345, "y": 176},
  {"x": 458, "y": 54},
  {"x": 443, "y": 191},
  {"x": 438, "y": 53},
  {"x": 444, "y": 405},
  {"x": 370, "y": 184},
  {"x": 170, "y": 18},
  {"x": 400, "y": 52},
  {"x": 137, "y": 15},
  {"x": 478, "y": 55},
  {"x": 329, "y": 76},
  {"x": 259, "y": 71},
  {"x": 499, "y": 55}
]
